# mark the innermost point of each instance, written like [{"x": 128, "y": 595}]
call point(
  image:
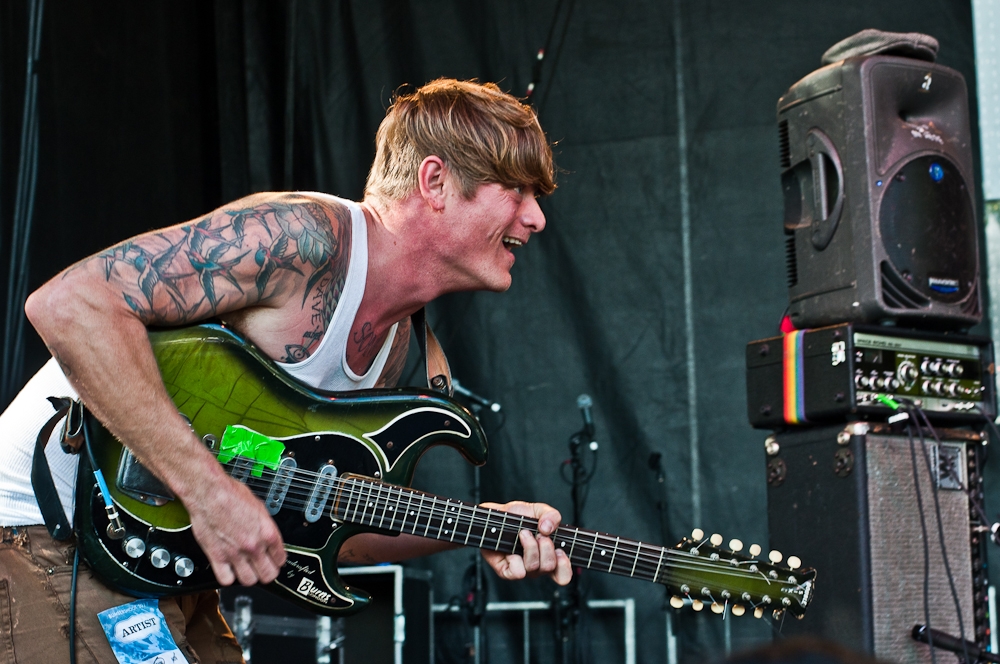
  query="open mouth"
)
[{"x": 511, "y": 242}]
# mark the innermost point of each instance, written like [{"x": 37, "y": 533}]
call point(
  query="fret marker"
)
[
  {"x": 603, "y": 552},
  {"x": 391, "y": 508},
  {"x": 412, "y": 512},
  {"x": 370, "y": 504},
  {"x": 493, "y": 530},
  {"x": 446, "y": 532},
  {"x": 562, "y": 544},
  {"x": 449, "y": 520}
]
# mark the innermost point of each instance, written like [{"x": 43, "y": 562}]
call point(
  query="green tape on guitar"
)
[{"x": 240, "y": 441}]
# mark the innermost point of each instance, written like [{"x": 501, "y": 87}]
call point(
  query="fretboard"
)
[{"x": 403, "y": 510}]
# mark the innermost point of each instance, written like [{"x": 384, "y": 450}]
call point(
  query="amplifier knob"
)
[
  {"x": 893, "y": 384},
  {"x": 159, "y": 557},
  {"x": 925, "y": 366},
  {"x": 934, "y": 367},
  {"x": 907, "y": 372},
  {"x": 925, "y": 387},
  {"x": 954, "y": 369},
  {"x": 134, "y": 547},
  {"x": 183, "y": 566},
  {"x": 937, "y": 387},
  {"x": 951, "y": 389},
  {"x": 864, "y": 382}
]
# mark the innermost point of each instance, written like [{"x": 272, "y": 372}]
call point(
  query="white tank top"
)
[{"x": 325, "y": 369}]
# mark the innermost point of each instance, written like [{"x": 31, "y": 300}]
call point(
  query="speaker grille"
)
[
  {"x": 971, "y": 305},
  {"x": 896, "y": 293},
  {"x": 897, "y": 558}
]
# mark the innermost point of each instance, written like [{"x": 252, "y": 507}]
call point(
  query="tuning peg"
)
[
  {"x": 735, "y": 545},
  {"x": 717, "y": 608},
  {"x": 794, "y": 562},
  {"x": 755, "y": 550},
  {"x": 758, "y": 612},
  {"x": 776, "y": 614},
  {"x": 715, "y": 539},
  {"x": 697, "y": 534},
  {"x": 738, "y": 609},
  {"x": 697, "y": 604},
  {"x": 775, "y": 556},
  {"x": 676, "y": 602}
]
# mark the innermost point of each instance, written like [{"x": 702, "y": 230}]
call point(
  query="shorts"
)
[{"x": 35, "y": 576}]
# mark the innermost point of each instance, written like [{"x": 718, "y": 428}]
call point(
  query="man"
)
[{"x": 324, "y": 287}]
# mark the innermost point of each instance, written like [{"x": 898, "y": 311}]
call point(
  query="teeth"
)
[{"x": 512, "y": 241}]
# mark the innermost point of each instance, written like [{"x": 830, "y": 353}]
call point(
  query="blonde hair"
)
[{"x": 483, "y": 135}]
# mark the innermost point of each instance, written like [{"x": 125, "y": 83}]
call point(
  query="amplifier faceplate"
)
[{"x": 845, "y": 368}]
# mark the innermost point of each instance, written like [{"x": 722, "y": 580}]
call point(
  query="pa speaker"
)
[
  {"x": 845, "y": 499},
  {"x": 879, "y": 193}
]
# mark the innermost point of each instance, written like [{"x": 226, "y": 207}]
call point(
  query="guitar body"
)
[{"x": 216, "y": 380}]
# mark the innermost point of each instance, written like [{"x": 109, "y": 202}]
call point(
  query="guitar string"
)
[
  {"x": 438, "y": 513},
  {"x": 438, "y": 510}
]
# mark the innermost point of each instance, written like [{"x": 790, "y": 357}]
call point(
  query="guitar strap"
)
[
  {"x": 41, "y": 476},
  {"x": 438, "y": 371}
]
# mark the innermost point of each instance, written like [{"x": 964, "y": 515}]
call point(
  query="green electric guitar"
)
[{"x": 330, "y": 465}]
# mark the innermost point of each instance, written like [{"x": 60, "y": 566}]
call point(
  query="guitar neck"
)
[{"x": 403, "y": 510}]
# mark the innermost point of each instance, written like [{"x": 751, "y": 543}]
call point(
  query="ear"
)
[{"x": 432, "y": 177}]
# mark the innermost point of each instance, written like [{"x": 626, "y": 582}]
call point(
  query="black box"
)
[{"x": 844, "y": 367}]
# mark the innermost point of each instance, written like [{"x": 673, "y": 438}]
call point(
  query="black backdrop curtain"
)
[{"x": 152, "y": 113}]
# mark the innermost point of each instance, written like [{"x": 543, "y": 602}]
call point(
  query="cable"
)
[
  {"x": 937, "y": 512},
  {"x": 72, "y": 608},
  {"x": 923, "y": 531}
]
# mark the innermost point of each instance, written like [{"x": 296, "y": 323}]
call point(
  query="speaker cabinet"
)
[
  {"x": 880, "y": 220},
  {"x": 844, "y": 500},
  {"x": 397, "y": 627}
]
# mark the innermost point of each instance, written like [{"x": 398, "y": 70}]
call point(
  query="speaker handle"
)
[{"x": 825, "y": 219}]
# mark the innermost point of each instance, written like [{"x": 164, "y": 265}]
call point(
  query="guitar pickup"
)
[{"x": 135, "y": 481}]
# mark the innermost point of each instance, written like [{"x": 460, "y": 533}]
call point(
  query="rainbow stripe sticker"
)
[{"x": 794, "y": 390}]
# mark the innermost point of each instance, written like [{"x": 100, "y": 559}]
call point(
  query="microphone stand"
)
[
  {"x": 569, "y": 603},
  {"x": 475, "y": 599}
]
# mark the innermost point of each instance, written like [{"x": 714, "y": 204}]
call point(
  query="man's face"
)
[{"x": 486, "y": 230}]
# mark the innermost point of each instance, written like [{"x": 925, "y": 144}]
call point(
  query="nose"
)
[{"x": 532, "y": 216}]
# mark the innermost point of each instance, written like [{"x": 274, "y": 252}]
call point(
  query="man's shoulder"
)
[{"x": 319, "y": 205}]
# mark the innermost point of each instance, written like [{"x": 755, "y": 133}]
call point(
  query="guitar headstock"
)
[{"x": 702, "y": 573}]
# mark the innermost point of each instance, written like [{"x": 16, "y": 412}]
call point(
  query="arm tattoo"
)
[
  {"x": 352, "y": 556},
  {"x": 236, "y": 258}
]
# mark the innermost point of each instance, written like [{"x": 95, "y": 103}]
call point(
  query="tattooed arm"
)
[{"x": 265, "y": 261}]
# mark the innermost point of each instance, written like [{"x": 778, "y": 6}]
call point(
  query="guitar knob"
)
[
  {"x": 775, "y": 557},
  {"x": 697, "y": 534},
  {"x": 676, "y": 602},
  {"x": 738, "y": 610},
  {"x": 134, "y": 547},
  {"x": 794, "y": 562},
  {"x": 755, "y": 550},
  {"x": 697, "y": 604},
  {"x": 735, "y": 545},
  {"x": 183, "y": 566},
  {"x": 716, "y": 539},
  {"x": 758, "y": 612},
  {"x": 159, "y": 557}
]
